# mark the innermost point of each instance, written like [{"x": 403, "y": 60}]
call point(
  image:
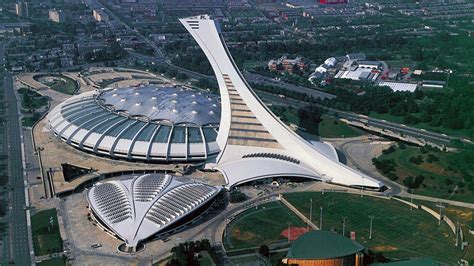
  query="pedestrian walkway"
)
[{"x": 298, "y": 213}]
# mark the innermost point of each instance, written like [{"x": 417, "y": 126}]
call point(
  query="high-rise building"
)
[
  {"x": 21, "y": 9},
  {"x": 333, "y": 1},
  {"x": 100, "y": 15},
  {"x": 57, "y": 16}
]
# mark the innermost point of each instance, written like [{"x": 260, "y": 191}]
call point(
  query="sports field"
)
[
  {"x": 46, "y": 237},
  {"x": 261, "y": 225},
  {"x": 398, "y": 232},
  {"x": 53, "y": 262},
  {"x": 330, "y": 127}
]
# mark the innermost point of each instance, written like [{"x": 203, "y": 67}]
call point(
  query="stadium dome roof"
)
[
  {"x": 147, "y": 123},
  {"x": 138, "y": 207},
  {"x": 163, "y": 104}
]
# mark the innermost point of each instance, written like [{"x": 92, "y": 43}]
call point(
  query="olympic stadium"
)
[
  {"x": 235, "y": 134},
  {"x": 144, "y": 123},
  {"x": 136, "y": 208}
]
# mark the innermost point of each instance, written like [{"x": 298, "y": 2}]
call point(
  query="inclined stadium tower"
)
[
  {"x": 142, "y": 123},
  {"x": 255, "y": 143}
]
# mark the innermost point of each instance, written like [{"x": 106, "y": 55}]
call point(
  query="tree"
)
[
  {"x": 264, "y": 251},
  {"x": 432, "y": 158},
  {"x": 237, "y": 196}
]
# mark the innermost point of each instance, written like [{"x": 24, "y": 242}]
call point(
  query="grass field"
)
[
  {"x": 53, "y": 262},
  {"x": 205, "y": 259},
  {"x": 399, "y": 120},
  {"x": 328, "y": 127},
  {"x": 398, "y": 232},
  {"x": 448, "y": 166},
  {"x": 333, "y": 128},
  {"x": 30, "y": 102},
  {"x": 58, "y": 83},
  {"x": 261, "y": 225},
  {"x": 46, "y": 240},
  {"x": 464, "y": 216},
  {"x": 29, "y": 121}
]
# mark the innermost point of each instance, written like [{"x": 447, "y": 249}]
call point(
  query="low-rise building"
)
[
  {"x": 284, "y": 64},
  {"x": 400, "y": 86},
  {"x": 324, "y": 248},
  {"x": 370, "y": 64}
]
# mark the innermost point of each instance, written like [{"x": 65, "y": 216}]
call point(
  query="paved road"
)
[
  {"x": 20, "y": 251},
  {"x": 394, "y": 188},
  {"x": 256, "y": 78},
  {"x": 399, "y": 128}
]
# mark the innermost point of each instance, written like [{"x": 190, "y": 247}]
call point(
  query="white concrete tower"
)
[{"x": 254, "y": 143}]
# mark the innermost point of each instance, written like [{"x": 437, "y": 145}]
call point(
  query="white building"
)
[
  {"x": 399, "y": 86},
  {"x": 137, "y": 207},
  {"x": 144, "y": 123},
  {"x": 330, "y": 62}
]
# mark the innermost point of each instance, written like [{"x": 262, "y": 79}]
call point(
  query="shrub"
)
[
  {"x": 432, "y": 158},
  {"x": 416, "y": 160},
  {"x": 448, "y": 181},
  {"x": 389, "y": 150}
]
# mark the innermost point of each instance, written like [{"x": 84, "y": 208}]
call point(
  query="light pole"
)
[
  {"x": 457, "y": 234},
  {"x": 321, "y": 219},
  {"x": 310, "y": 213},
  {"x": 370, "y": 229},
  {"x": 289, "y": 232},
  {"x": 343, "y": 225},
  {"x": 441, "y": 206}
]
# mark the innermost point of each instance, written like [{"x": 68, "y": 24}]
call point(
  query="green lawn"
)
[
  {"x": 455, "y": 167},
  {"x": 261, "y": 225},
  {"x": 29, "y": 121},
  {"x": 52, "y": 262},
  {"x": 276, "y": 257},
  {"x": 464, "y": 216},
  {"x": 330, "y": 127},
  {"x": 442, "y": 130},
  {"x": 398, "y": 232},
  {"x": 46, "y": 239},
  {"x": 31, "y": 100},
  {"x": 59, "y": 83},
  {"x": 205, "y": 259}
]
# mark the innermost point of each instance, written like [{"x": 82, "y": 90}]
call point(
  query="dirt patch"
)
[
  {"x": 464, "y": 215},
  {"x": 435, "y": 169},
  {"x": 385, "y": 248},
  {"x": 242, "y": 236},
  {"x": 293, "y": 233}
]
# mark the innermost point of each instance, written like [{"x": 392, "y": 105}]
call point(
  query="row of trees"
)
[{"x": 187, "y": 253}]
